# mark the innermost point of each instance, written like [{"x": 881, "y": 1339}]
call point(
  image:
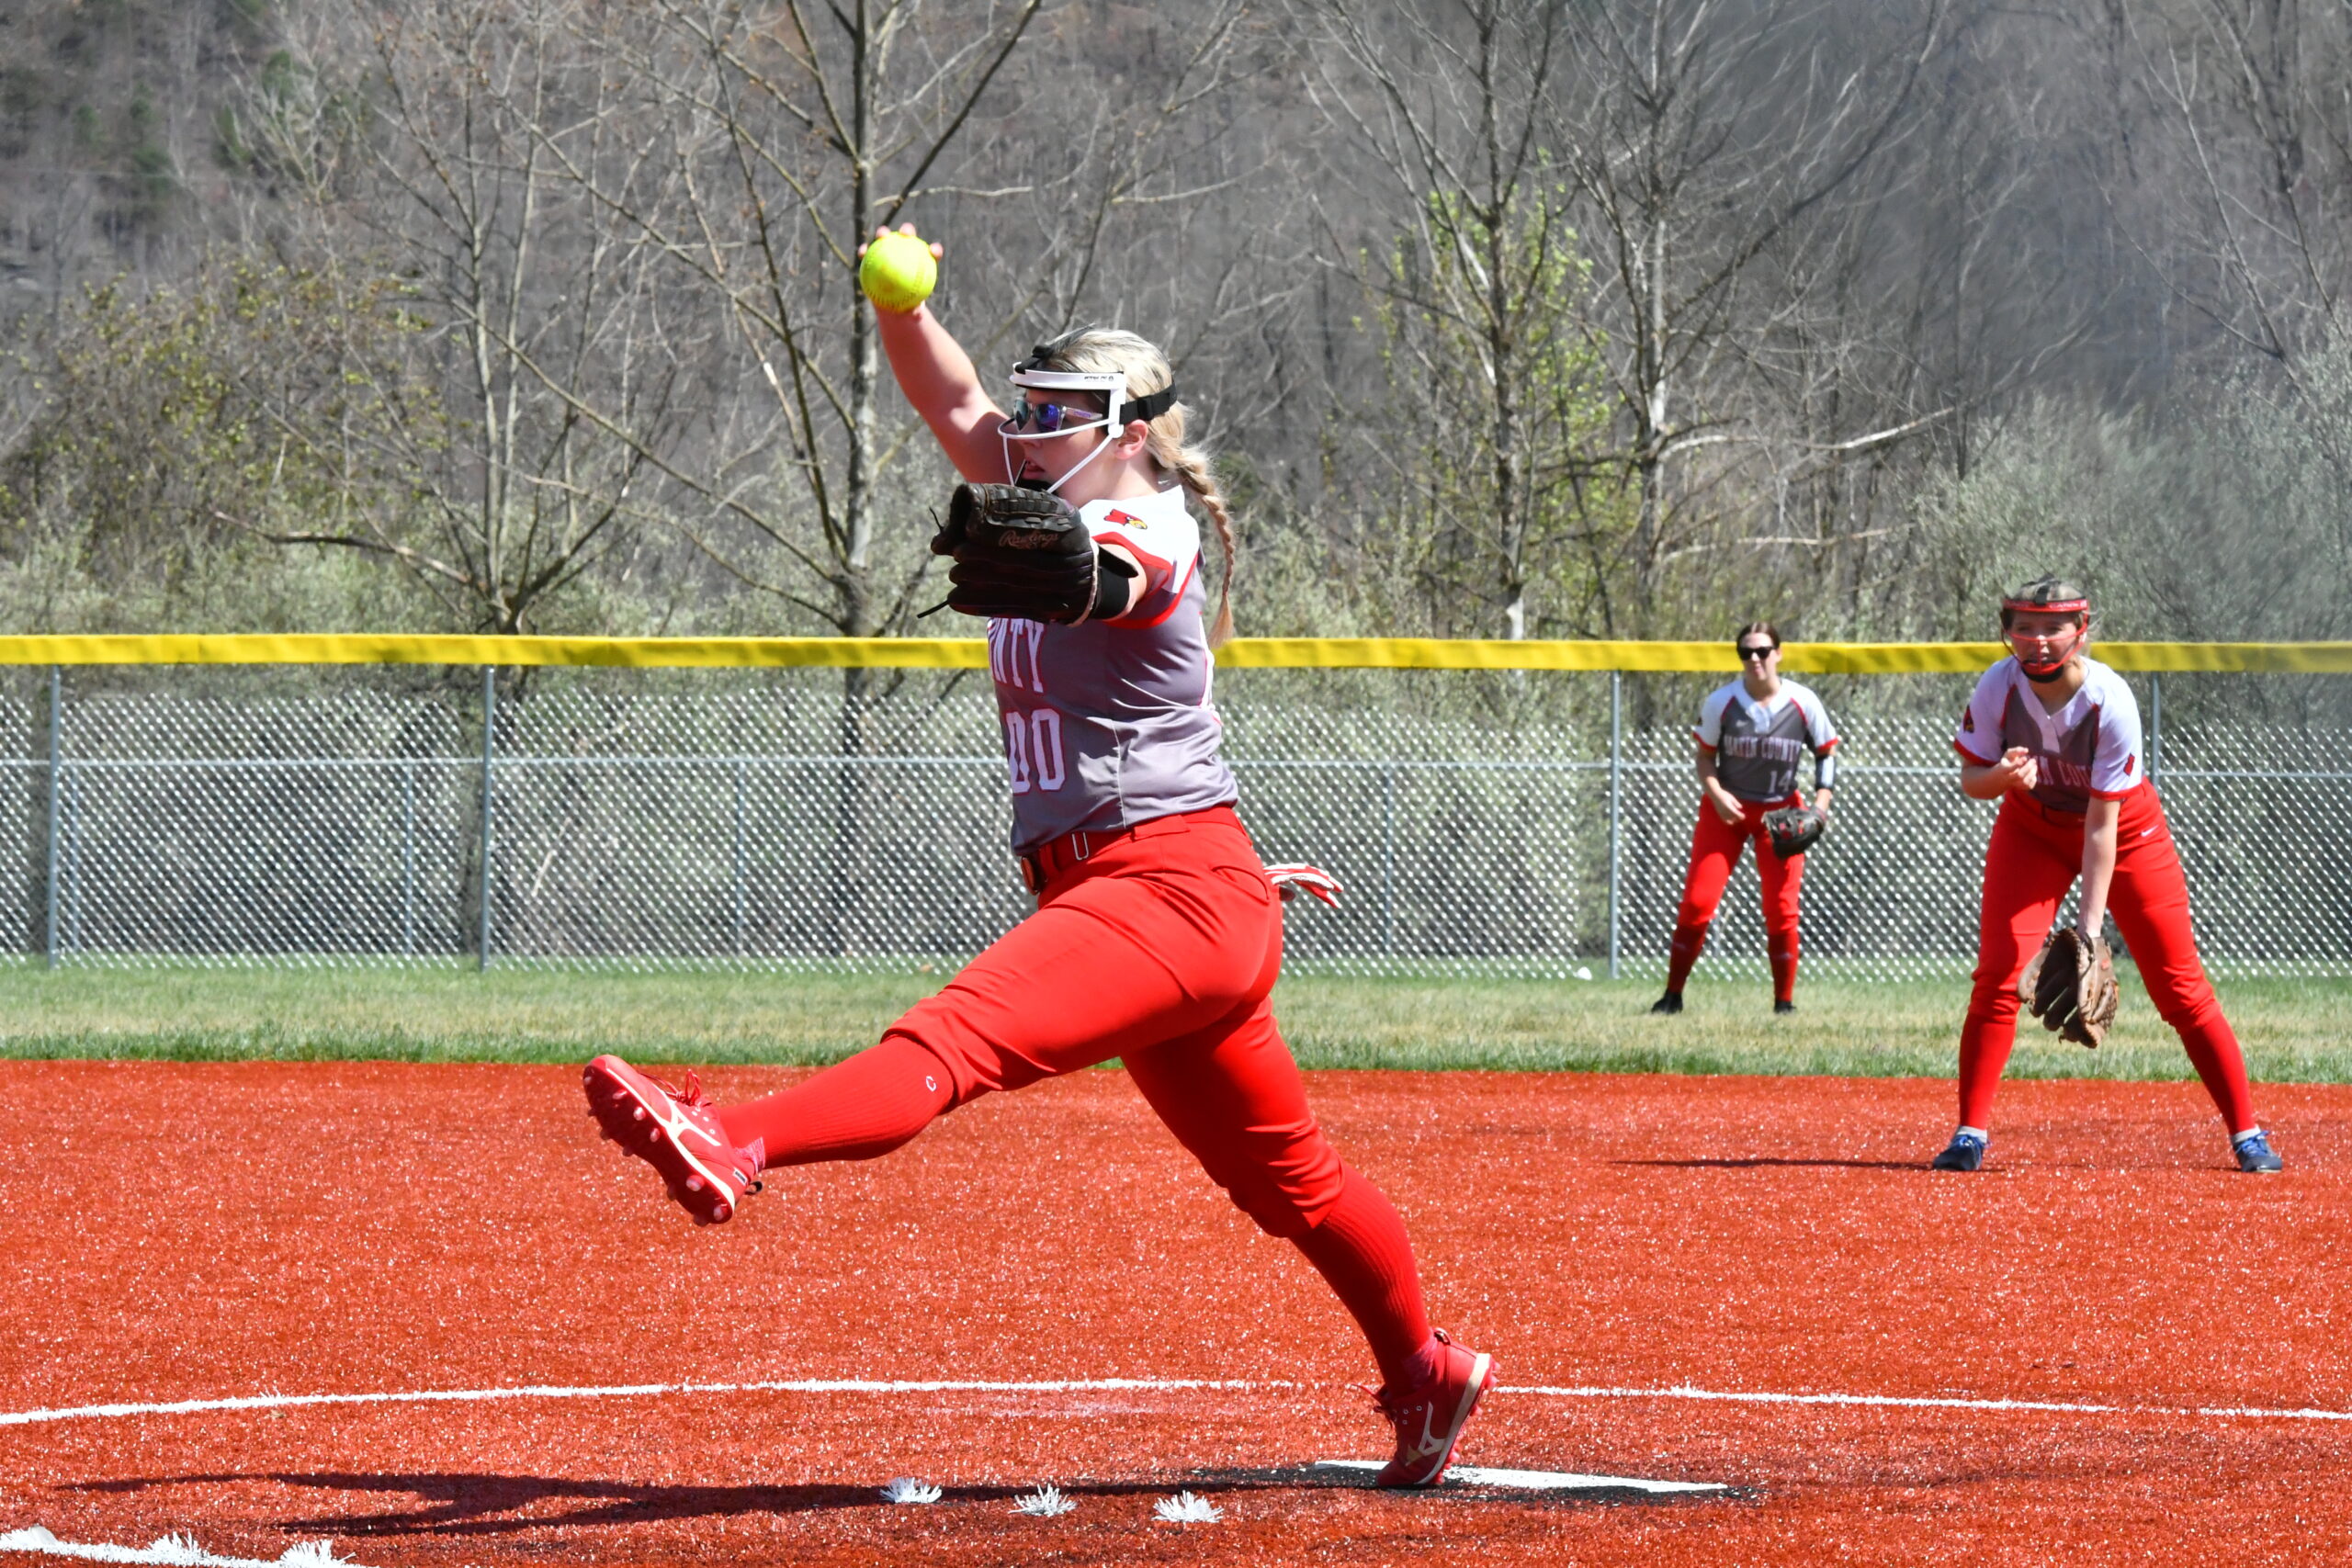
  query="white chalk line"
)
[
  {"x": 177, "y": 1550},
  {"x": 1114, "y": 1385},
  {"x": 1906, "y": 1402}
]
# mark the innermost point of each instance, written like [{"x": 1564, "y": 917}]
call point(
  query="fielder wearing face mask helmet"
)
[{"x": 2054, "y": 737}]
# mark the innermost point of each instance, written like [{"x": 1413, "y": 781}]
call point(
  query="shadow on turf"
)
[{"x": 464, "y": 1504}]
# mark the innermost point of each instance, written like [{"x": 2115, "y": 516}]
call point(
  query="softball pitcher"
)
[
  {"x": 2054, "y": 736},
  {"x": 1158, "y": 934},
  {"x": 1752, "y": 734}
]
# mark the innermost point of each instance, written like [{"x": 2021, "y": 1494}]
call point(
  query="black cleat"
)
[
  {"x": 1783, "y": 1004},
  {"x": 1966, "y": 1152},
  {"x": 2256, "y": 1157},
  {"x": 1670, "y": 1002}
]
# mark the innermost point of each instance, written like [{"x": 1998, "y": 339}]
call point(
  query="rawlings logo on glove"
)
[
  {"x": 1026, "y": 555},
  {"x": 2070, "y": 987}
]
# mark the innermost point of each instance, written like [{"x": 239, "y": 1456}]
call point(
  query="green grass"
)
[{"x": 2293, "y": 1029}]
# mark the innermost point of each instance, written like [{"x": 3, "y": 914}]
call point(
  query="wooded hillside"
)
[{"x": 1624, "y": 318}]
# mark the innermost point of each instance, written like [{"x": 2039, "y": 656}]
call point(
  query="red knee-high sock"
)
[
  {"x": 1984, "y": 1047},
  {"x": 1784, "y": 966},
  {"x": 1361, "y": 1247},
  {"x": 1688, "y": 940},
  {"x": 2212, "y": 1048},
  {"x": 855, "y": 1110}
]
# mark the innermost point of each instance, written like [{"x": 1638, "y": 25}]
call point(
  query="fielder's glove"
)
[
  {"x": 2070, "y": 985},
  {"x": 1795, "y": 828},
  {"x": 1025, "y": 554},
  {"x": 1295, "y": 878}
]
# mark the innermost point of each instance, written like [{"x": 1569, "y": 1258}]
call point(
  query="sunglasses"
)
[
  {"x": 1764, "y": 653},
  {"x": 1049, "y": 419}
]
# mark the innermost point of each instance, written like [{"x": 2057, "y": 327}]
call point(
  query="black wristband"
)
[{"x": 1112, "y": 575}]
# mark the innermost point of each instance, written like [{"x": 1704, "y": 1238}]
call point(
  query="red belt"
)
[{"x": 1041, "y": 864}]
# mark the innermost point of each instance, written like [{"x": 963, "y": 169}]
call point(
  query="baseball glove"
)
[
  {"x": 1295, "y": 878},
  {"x": 1023, "y": 554},
  {"x": 2070, "y": 985},
  {"x": 1795, "y": 828}
]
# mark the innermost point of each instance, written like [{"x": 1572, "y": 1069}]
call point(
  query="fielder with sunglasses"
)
[
  {"x": 1158, "y": 934},
  {"x": 1752, "y": 734}
]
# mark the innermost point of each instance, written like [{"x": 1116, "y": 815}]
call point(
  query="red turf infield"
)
[{"x": 194, "y": 1232}]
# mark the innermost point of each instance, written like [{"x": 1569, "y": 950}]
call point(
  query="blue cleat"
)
[
  {"x": 2256, "y": 1157},
  {"x": 1966, "y": 1152}
]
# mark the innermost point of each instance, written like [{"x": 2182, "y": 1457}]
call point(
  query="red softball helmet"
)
[{"x": 2048, "y": 596}]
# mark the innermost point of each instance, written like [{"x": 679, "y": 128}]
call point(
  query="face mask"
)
[
  {"x": 2042, "y": 672},
  {"x": 1011, "y": 431},
  {"x": 1053, "y": 420}
]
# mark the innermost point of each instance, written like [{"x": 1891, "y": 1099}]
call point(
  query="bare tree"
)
[
  {"x": 2243, "y": 107},
  {"x": 1476, "y": 285},
  {"x": 1708, "y": 176},
  {"x": 1706, "y": 137},
  {"x": 437, "y": 163},
  {"x": 785, "y": 135},
  {"x": 775, "y": 140}
]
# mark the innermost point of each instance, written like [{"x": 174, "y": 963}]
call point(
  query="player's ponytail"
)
[{"x": 1104, "y": 350}]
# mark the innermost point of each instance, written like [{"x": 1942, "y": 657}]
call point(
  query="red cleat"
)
[
  {"x": 676, "y": 1132},
  {"x": 1429, "y": 1420}
]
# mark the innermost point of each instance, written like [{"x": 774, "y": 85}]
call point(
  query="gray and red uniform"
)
[
  {"x": 2089, "y": 748},
  {"x": 1156, "y": 939},
  {"x": 1109, "y": 724},
  {"x": 1757, "y": 746}
]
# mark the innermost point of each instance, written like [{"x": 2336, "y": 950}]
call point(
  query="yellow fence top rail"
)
[{"x": 1242, "y": 653}]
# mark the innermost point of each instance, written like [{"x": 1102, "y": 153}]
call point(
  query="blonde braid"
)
[
  {"x": 1191, "y": 466},
  {"x": 1107, "y": 350}
]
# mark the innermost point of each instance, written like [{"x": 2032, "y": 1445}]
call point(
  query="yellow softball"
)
[{"x": 897, "y": 272}]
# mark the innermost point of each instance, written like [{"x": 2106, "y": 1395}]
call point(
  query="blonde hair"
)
[{"x": 1106, "y": 350}]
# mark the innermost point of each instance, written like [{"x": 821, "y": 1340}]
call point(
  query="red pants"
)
[
  {"x": 1714, "y": 850},
  {"x": 1160, "y": 949},
  {"x": 2035, "y": 856}
]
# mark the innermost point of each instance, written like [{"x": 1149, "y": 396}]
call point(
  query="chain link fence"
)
[{"x": 1502, "y": 825}]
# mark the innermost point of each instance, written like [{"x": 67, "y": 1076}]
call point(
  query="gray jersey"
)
[
  {"x": 1757, "y": 745},
  {"x": 1109, "y": 724},
  {"x": 2090, "y": 747}
]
